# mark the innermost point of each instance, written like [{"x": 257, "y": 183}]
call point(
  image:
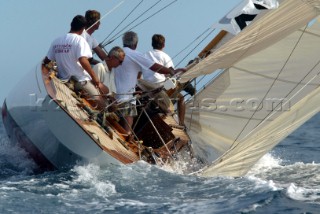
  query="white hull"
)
[
  {"x": 48, "y": 120},
  {"x": 38, "y": 124}
]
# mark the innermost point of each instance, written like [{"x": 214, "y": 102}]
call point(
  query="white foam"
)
[
  {"x": 266, "y": 163},
  {"x": 252, "y": 208},
  {"x": 262, "y": 184},
  {"x": 303, "y": 193},
  {"x": 91, "y": 175},
  {"x": 8, "y": 188},
  {"x": 16, "y": 156},
  {"x": 61, "y": 186},
  {"x": 133, "y": 203},
  {"x": 177, "y": 167},
  {"x": 300, "y": 180},
  {"x": 182, "y": 164}
]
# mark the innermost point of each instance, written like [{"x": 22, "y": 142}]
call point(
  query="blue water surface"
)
[{"x": 287, "y": 180}]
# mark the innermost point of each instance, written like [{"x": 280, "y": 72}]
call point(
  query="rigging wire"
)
[
  {"x": 271, "y": 86},
  {"x": 122, "y": 21},
  {"x": 190, "y": 43},
  {"x": 113, "y": 9},
  {"x": 156, "y": 130},
  {"x": 196, "y": 46},
  {"x": 198, "y": 37},
  {"x": 305, "y": 85},
  {"x": 158, "y": 11},
  {"x": 195, "y": 79},
  {"x": 138, "y": 17},
  {"x": 199, "y": 79},
  {"x": 299, "y": 83},
  {"x": 114, "y": 37},
  {"x": 233, "y": 146},
  {"x": 119, "y": 33}
]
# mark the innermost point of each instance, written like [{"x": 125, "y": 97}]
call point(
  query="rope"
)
[{"x": 155, "y": 128}]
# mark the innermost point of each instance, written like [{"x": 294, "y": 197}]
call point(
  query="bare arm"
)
[
  {"x": 86, "y": 66},
  {"x": 93, "y": 61},
  {"x": 164, "y": 70},
  {"x": 139, "y": 75},
  {"x": 100, "y": 52}
]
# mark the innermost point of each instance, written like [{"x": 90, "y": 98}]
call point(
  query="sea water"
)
[{"x": 286, "y": 180}]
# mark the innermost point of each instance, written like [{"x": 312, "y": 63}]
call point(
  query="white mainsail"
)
[{"x": 269, "y": 88}]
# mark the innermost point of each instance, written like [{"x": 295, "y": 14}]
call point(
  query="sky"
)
[{"x": 29, "y": 27}]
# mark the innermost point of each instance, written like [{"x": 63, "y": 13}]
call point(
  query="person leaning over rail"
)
[
  {"x": 106, "y": 72},
  {"x": 126, "y": 76},
  {"x": 159, "y": 56},
  {"x": 71, "y": 53}
]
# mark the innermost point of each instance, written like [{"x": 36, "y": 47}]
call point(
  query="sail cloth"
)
[
  {"x": 242, "y": 15},
  {"x": 267, "y": 30},
  {"x": 270, "y": 86}
]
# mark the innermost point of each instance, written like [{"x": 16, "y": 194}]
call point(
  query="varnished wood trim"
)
[{"x": 206, "y": 51}]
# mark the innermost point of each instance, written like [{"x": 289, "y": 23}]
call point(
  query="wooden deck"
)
[{"x": 110, "y": 139}]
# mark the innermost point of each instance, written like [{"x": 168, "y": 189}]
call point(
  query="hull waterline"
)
[{"x": 26, "y": 112}]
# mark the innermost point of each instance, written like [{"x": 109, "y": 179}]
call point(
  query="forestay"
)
[{"x": 269, "y": 88}]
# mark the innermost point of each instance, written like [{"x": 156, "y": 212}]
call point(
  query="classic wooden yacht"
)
[{"x": 265, "y": 85}]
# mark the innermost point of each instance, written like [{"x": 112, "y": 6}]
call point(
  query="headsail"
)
[
  {"x": 272, "y": 27},
  {"x": 269, "y": 88}
]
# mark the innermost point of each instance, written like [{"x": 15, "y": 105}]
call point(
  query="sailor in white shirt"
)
[
  {"x": 126, "y": 76},
  {"x": 71, "y": 53},
  {"x": 159, "y": 56},
  {"x": 104, "y": 68},
  {"x": 93, "y": 24},
  {"x": 106, "y": 72}
]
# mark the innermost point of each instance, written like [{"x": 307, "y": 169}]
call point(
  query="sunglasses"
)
[{"x": 119, "y": 60}]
